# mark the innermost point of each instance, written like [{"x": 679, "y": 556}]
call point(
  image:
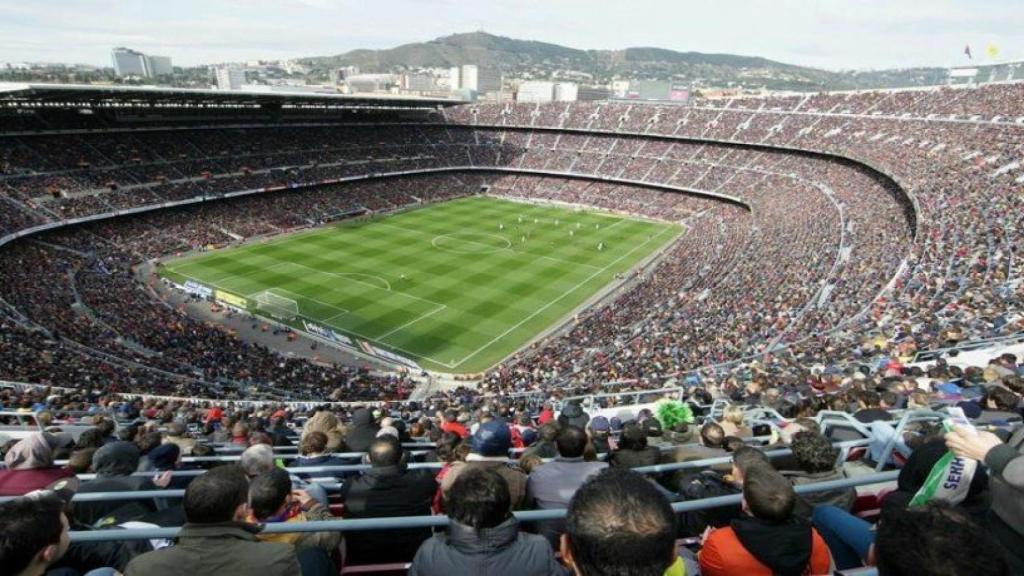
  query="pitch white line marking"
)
[
  {"x": 566, "y": 293},
  {"x": 411, "y": 322}
]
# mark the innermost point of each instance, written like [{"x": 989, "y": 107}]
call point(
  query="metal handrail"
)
[{"x": 402, "y": 522}]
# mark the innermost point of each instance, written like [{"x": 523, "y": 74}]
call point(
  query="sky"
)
[{"x": 832, "y": 34}]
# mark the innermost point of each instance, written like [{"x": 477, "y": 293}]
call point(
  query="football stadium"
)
[{"x": 747, "y": 331}]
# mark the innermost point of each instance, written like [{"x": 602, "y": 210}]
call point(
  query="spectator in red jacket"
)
[
  {"x": 451, "y": 424},
  {"x": 30, "y": 467},
  {"x": 769, "y": 539}
]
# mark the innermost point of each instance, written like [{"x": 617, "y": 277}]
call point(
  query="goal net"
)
[{"x": 275, "y": 305}]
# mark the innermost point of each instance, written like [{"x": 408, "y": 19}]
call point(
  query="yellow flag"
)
[{"x": 992, "y": 51}]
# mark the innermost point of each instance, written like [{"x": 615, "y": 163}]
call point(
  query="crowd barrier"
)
[
  {"x": 442, "y": 521},
  {"x": 843, "y": 448}
]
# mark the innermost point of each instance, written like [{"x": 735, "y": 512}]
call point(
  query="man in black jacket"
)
[
  {"x": 362, "y": 431},
  {"x": 388, "y": 489},
  {"x": 483, "y": 537}
]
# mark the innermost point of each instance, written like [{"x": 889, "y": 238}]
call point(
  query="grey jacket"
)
[
  {"x": 1006, "y": 481},
  {"x": 553, "y": 484},
  {"x": 843, "y": 498},
  {"x": 502, "y": 550}
]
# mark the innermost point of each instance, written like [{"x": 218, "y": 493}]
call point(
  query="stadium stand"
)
[{"x": 850, "y": 273}]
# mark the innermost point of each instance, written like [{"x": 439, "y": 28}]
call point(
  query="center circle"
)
[{"x": 471, "y": 243}]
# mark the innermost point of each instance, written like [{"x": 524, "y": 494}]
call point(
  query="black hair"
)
[
  {"x": 267, "y": 492},
  {"x": 733, "y": 443},
  {"x": 768, "y": 494},
  {"x": 619, "y": 524},
  {"x": 712, "y": 435},
  {"x": 27, "y": 525},
  {"x": 385, "y": 450},
  {"x": 479, "y": 498},
  {"x": 633, "y": 437},
  {"x": 571, "y": 442},
  {"x": 813, "y": 452},
  {"x": 935, "y": 539},
  {"x": 214, "y": 496},
  {"x": 1003, "y": 398},
  {"x": 747, "y": 457}
]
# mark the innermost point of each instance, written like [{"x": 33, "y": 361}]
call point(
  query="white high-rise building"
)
[
  {"x": 229, "y": 78},
  {"x": 566, "y": 92},
  {"x": 535, "y": 91},
  {"x": 468, "y": 78},
  {"x": 160, "y": 65},
  {"x": 128, "y": 62},
  {"x": 453, "y": 78}
]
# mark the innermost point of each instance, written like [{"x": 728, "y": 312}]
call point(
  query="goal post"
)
[{"x": 276, "y": 305}]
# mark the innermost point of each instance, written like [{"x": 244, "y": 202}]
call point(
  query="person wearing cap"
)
[
  {"x": 573, "y": 415},
  {"x": 389, "y": 488},
  {"x": 489, "y": 448},
  {"x": 30, "y": 466},
  {"x": 600, "y": 430},
  {"x": 551, "y": 486}
]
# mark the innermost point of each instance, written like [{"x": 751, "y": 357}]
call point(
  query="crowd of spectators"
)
[{"x": 478, "y": 461}]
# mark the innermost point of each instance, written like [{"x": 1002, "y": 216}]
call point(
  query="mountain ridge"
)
[{"x": 544, "y": 60}]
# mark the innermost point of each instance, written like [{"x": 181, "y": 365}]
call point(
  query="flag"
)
[
  {"x": 950, "y": 478},
  {"x": 967, "y": 50},
  {"x": 992, "y": 51}
]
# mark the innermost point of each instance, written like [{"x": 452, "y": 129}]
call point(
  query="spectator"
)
[
  {"x": 770, "y": 539},
  {"x": 732, "y": 422},
  {"x": 216, "y": 538},
  {"x": 551, "y": 486},
  {"x": 362, "y": 431},
  {"x": 33, "y": 535},
  {"x": 114, "y": 465},
  {"x": 30, "y": 466},
  {"x": 633, "y": 450},
  {"x": 177, "y": 433},
  {"x": 483, "y": 537},
  {"x": 618, "y": 523},
  {"x": 489, "y": 447},
  {"x": 451, "y": 424},
  {"x": 1005, "y": 462},
  {"x": 816, "y": 461},
  {"x": 273, "y": 500},
  {"x": 871, "y": 408},
  {"x": 387, "y": 489},
  {"x": 599, "y": 430},
  {"x": 545, "y": 446},
  {"x": 936, "y": 539}
]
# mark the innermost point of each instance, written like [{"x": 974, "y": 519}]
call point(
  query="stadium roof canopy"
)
[{"x": 110, "y": 96}]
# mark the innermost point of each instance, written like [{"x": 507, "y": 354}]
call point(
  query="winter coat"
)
[
  {"x": 499, "y": 551},
  {"x": 224, "y": 549}
]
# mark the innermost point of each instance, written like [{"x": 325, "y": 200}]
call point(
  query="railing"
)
[
  {"x": 843, "y": 447},
  {"x": 403, "y": 522}
]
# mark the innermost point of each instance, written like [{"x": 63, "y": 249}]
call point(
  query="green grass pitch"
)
[{"x": 456, "y": 286}]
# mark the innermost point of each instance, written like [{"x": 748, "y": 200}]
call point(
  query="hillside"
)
[{"x": 529, "y": 59}]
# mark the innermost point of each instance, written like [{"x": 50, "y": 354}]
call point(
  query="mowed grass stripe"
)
[{"x": 466, "y": 291}]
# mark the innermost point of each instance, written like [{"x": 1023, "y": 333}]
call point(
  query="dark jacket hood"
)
[
  {"x": 784, "y": 547},
  {"x": 116, "y": 459},
  {"x": 485, "y": 541}
]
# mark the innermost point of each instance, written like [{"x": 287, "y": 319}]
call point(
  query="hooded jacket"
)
[
  {"x": 499, "y": 551},
  {"x": 114, "y": 465},
  {"x": 362, "y": 431},
  {"x": 754, "y": 547}
]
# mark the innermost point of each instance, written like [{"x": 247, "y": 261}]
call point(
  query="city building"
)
[
  {"x": 468, "y": 78},
  {"x": 229, "y": 78},
  {"x": 535, "y": 91},
  {"x": 369, "y": 83},
  {"x": 417, "y": 82},
  {"x": 128, "y": 62},
  {"x": 566, "y": 92}
]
